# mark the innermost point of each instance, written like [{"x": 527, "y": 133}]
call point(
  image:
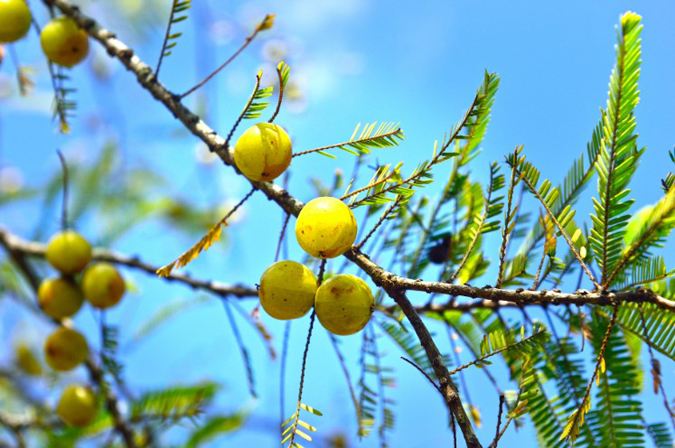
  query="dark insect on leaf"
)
[{"x": 440, "y": 253}]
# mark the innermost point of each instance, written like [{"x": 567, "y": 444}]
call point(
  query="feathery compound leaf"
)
[
  {"x": 496, "y": 342},
  {"x": 617, "y": 416},
  {"x": 215, "y": 427},
  {"x": 174, "y": 403},
  {"x": 409, "y": 344},
  {"x": 291, "y": 427},
  {"x": 484, "y": 222},
  {"x": 364, "y": 138},
  {"x": 618, "y": 150},
  {"x": 178, "y": 14},
  {"x": 660, "y": 435},
  {"x": 478, "y": 120},
  {"x": 660, "y": 325},
  {"x": 63, "y": 107},
  {"x": 576, "y": 179},
  {"x": 256, "y": 103},
  {"x": 669, "y": 180},
  {"x": 647, "y": 229}
]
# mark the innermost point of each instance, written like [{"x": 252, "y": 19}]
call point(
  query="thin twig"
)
[
  {"x": 433, "y": 383},
  {"x": 210, "y": 76},
  {"x": 280, "y": 98},
  {"x": 383, "y": 218},
  {"x": 250, "y": 378}
]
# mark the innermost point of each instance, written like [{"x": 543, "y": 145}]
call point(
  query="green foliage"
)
[
  {"x": 174, "y": 403},
  {"x": 660, "y": 325},
  {"x": 179, "y": 10},
  {"x": 293, "y": 426},
  {"x": 660, "y": 435},
  {"x": 257, "y": 102},
  {"x": 215, "y": 427},
  {"x": 618, "y": 150},
  {"x": 617, "y": 414},
  {"x": 409, "y": 344}
]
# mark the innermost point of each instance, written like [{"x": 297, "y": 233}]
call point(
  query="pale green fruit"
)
[
  {"x": 287, "y": 290},
  {"x": 59, "y": 297},
  {"x": 77, "y": 406},
  {"x": 65, "y": 349},
  {"x": 68, "y": 252},
  {"x": 325, "y": 227},
  {"x": 103, "y": 285},
  {"x": 263, "y": 152},
  {"x": 63, "y": 42},
  {"x": 15, "y": 20},
  {"x": 344, "y": 304}
]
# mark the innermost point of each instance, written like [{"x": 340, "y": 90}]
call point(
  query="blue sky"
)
[{"x": 417, "y": 63}]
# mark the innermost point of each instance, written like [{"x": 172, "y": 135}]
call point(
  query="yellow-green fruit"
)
[
  {"x": 77, "y": 406},
  {"x": 263, "y": 152},
  {"x": 26, "y": 361},
  {"x": 103, "y": 285},
  {"x": 14, "y": 20},
  {"x": 59, "y": 297},
  {"x": 287, "y": 290},
  {"x": 68, "y": 252},
  {"x": 63, "y": 42},
  {"x": 65, "y": 349},
  {"x": 344, "y": 304},
  {"x": 325, "y": 227}
]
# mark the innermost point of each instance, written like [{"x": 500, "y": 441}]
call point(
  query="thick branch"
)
[{"x": 17, "y": 245}]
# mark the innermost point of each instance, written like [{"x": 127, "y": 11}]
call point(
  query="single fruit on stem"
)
[
  {"x": 65, "y": 349},
  {"x": 15, "y": 20},
  {"x": 68, "y": 252},
  {"x": 63, "y": 42},
  {"x": 77, "y": 406},
  {"x": 344, "y": 304},
  {"x": 26, "y": 361},
  {"x": 287, "y": 290},
  {"x": 263, "y": 152},
  {"x": 325, "y": 227},
  {"x": 103, "y": 285},
  {"x": 59, "y": 297}
]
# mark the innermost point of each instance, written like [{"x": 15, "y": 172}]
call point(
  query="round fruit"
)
[
  {"x": 14, "y": 20},
  {"x": 287, "y": 290},
  {"x": 26, "y": 361},
  {"x": 63, "y": 42},
  {"x": 325, "y": 227},
  {"x": 68, "y": 252},
  {"x": 344, "y": 304},
  {"x": 77, "y": 406},
  {"x": 263, "y": 152},
  {"x": 103, "y": 285},
  {"x": 65, "y": 349},
  {"x": 59, "y": 297}
]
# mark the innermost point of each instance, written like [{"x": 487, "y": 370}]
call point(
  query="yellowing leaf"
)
[{"x": 475, "y": 415}]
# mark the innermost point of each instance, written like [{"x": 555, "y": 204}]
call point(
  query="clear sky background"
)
[{"x": 417, "y": 63}]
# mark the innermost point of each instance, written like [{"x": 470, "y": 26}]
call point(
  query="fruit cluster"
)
[
  {"x": 325, "y": 228},
  {"x": 62, "y": 296},
  {"x": 62, "y": 41}
]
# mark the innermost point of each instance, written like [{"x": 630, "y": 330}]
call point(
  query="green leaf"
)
[
  {"x": 618, "y": 150},
  {"x": 215, "y": 427},
  {"x": 174, "y": 403}
]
